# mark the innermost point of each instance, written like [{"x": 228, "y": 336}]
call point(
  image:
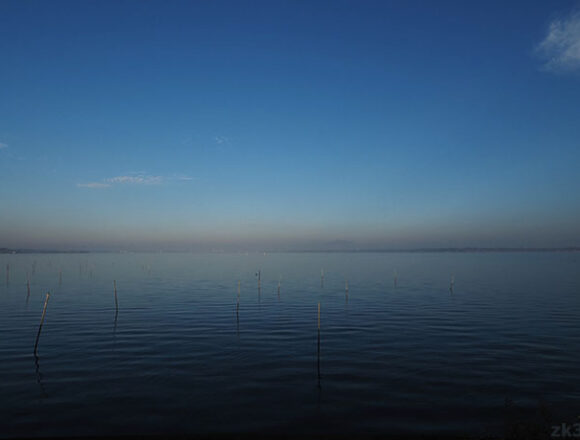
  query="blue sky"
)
[{"x": 289, "y": 124}]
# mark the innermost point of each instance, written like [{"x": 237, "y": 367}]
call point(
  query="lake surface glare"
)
[{"x": 406, "y": 356}]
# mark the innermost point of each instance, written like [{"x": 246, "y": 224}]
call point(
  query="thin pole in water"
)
[
  {"x": 27, "y": 288},
  {"x": 7, "y": 274},
  {"x": 395, "y": 278},
  {"x": 452, "y": 283},
  {"x": 279, "y": 286},
  {"x": 41, "y": 322},
  {"x": 346, "y": 286},
  {"x": 322, "y": 277}
]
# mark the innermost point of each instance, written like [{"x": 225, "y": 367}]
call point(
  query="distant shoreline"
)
[
  {"x": 8, "y": 251},
  {"x": 439, "y": 250},
  {"x": 40, "y": 251}
]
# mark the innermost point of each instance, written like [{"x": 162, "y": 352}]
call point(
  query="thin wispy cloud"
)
[
  {"x": 94, "y": 185},
  {"x": 2, "y": 146},
  {"x": 221, "y": 140},
  {"x": 561, "y": 47},
  {"x": 134, "y": 179},
  {"x": 182, "y": 178}
]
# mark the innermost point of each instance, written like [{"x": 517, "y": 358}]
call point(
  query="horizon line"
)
[{"x": 464, "y": 249}]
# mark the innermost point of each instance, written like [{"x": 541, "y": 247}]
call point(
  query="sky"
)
[{"x": 288, "y": 125}]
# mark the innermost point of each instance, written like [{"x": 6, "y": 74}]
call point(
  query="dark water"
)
[{"x": 410, "y": 358}]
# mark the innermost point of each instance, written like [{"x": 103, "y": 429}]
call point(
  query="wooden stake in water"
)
[
  {"x": 41, "y": 322},
  {"x": 452, "y": 283},
  {"x": 318, "y": 316},
  {"x": 259, "y": 280},
  {"x": 322, "y": 277},
  {"x": 346, "y": 286},
  {"x": 280, "y": 279},
  {"x": 27, "y": 288},
  {"x": 7, "y": 273},
  {"x": 115, "y": 289}
]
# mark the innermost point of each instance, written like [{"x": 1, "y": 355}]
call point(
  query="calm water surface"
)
[{"x": 179, "y": 358}]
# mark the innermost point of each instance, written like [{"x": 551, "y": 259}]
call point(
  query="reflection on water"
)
[
  {"x": 39, "y": 376},
  {"x": 318, "y": 359},
  {"x": 420, "y": 342}
]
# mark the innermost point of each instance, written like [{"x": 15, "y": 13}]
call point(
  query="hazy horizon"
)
[{"x": 289, "y": 126}]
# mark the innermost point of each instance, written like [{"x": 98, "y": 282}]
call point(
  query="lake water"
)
[{"x": 179, "y": 357}]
